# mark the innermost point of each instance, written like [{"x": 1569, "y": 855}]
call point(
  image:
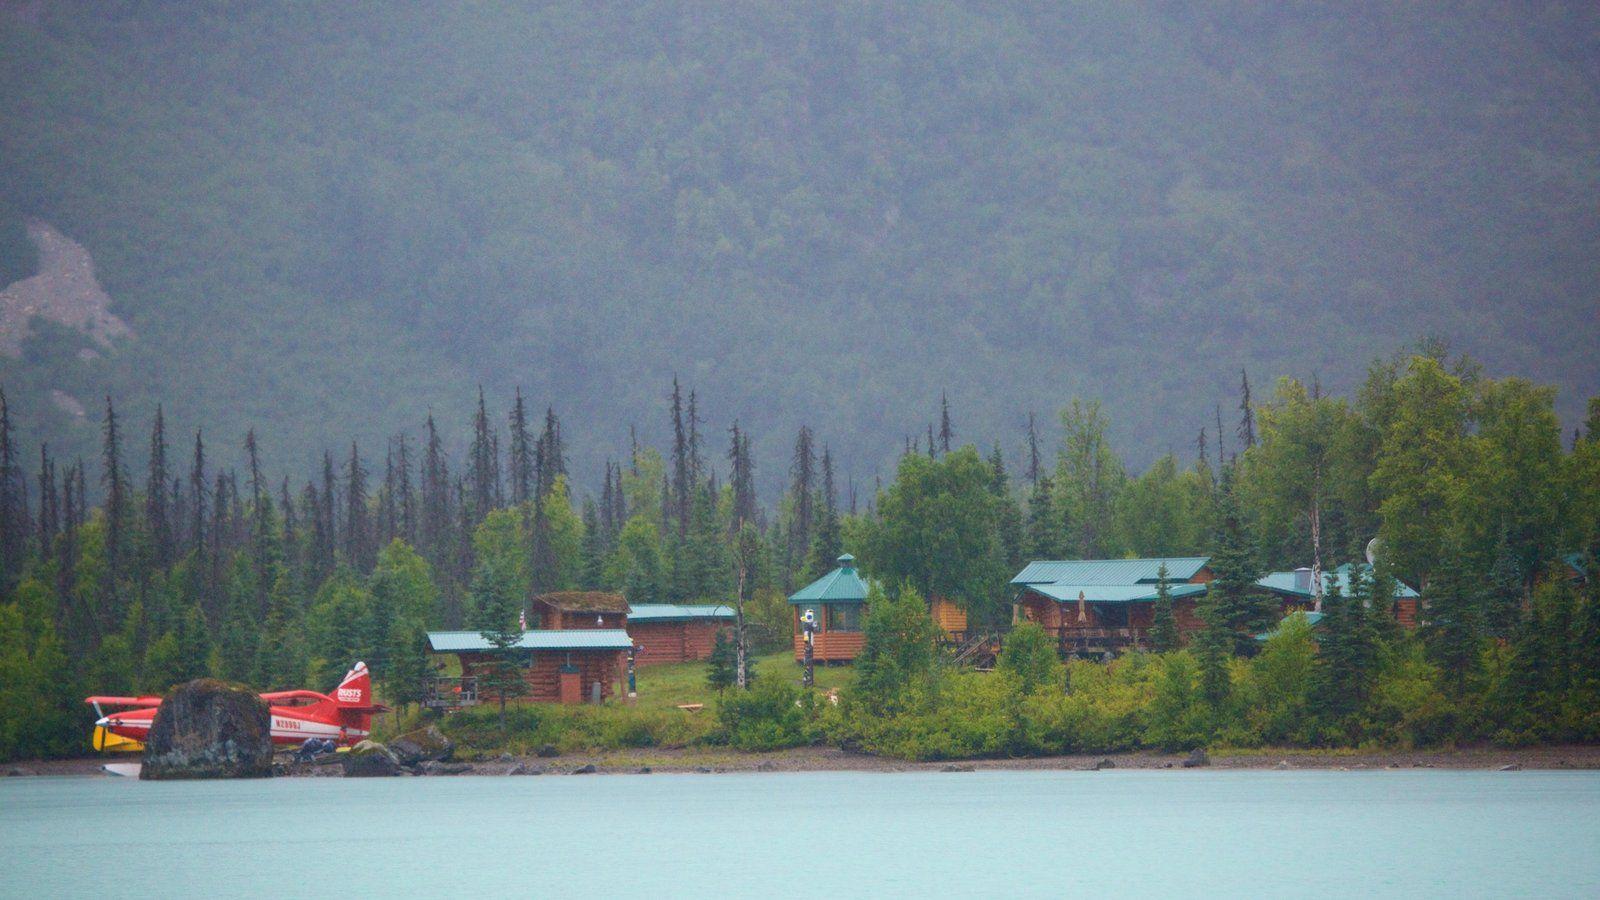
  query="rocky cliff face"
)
[{"x": 210, "y": 729}]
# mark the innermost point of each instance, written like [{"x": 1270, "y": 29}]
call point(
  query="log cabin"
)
[
  {"x": 564, "y": 610},
  {"x": 1576, "y": 567},
  {"x": 670, "y": 632},
  {"x": 559, "y": 666},
  {"x": 837, "y": 601},
  {"x": 1104, "y": 606},
  {"x": 1293, "y": 589}
]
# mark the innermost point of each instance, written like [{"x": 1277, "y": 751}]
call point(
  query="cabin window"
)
[{"x": 844, "y": 617}]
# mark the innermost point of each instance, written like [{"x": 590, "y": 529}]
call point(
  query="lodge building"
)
[
  {"x": 559, "y": 666},
  {"x": 1107, "y": 606},
  {"x": 579, "y": 645},
  {"x": 1097, "y": 606},
  {"x": 671, "y": 632},
  {"x": 1293, "y": 588}
]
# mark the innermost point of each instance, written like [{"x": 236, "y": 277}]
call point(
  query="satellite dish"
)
[{"x": 1372, "y": 552}]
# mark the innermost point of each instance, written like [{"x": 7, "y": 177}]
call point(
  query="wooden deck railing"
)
[
  {"x": 451, "y": 693},
  {"x": 1099, "y": 641}
]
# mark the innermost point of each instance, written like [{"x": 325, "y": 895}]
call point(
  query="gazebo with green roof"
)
[{"x": 837, "y": 601}]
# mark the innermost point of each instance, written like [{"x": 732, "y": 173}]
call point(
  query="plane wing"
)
[
  {"x": 123, "y": 701},
  {"x": 275, "y": 696}
]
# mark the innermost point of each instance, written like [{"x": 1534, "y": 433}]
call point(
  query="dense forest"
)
[
  {"x": 322, "y": 220},
  {"x": 190, "y": 567}
]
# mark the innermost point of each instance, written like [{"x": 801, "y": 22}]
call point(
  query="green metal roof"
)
[
  {"x": 1109, "y": 571},
  {"x": 672, "y": 612},
  {"x": 1312, "y": 617},
  {"x": 1574, "y": 562},
  {"x": 543, "y": 639},
  {"x": 842, "y": 585},
  {"x": 1112, "y": 593},
  {"x": 1284, "y": 582}
]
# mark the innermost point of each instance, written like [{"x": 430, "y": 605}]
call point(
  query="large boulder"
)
[
  {"x": 423, "y": 745},
  {"x": 370, "y": 759},
  {"x": 209, "y": 729}
]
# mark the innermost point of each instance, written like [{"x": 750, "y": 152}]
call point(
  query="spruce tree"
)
[
  {"x": 437, "y": 526},
  {"x": 681, "y": 477},
  {"x": 1247, "y": 413},
  {"x": 329, "y": 510},
  {"x": 498, "y": 608},
  {"x": 157, "y": 522},
  {"x": 115, "y": 481},
  {"x": 199, "y": 489},
  {"x": 550, "y": 456},
  {"x": 1164, "y": 628},
  {"x": 521, "y": 452},
  {"x": 827, "y": 543},
  {"x": 720, "y": 664},
  {"x": 1349, "y": 648},
  {"x": 542, "y": 563},
  {"x": 802, "y": 492},
  {"x": 405, "y": 497},
  {"x": 357, "y": 534},
  {"x": 388, "y": 513},
  {"x": 1008, "y": 517},
  {"x": 743, "y": 478},
  {"x": 49, "y": 503},
  {"x": 281, "y": 654},
  {"x": 1505, "y": 593},
  {"x": 696, "y": 462},
  {"x": 1044, "y": 536},
  {"x": 263, "y": 529},
  {"x": 14, "y": 525},
  {"x": 1033, "y": 453},
  {"x": 1452, "y": 630},
  {"x": 1237, "y": 607},
  {"x": 603, "y": 511},
  {"x": 410, "y": 671},
  {"x": 593, "y": 549},
  {"x": 946, "y": 432},
  {"x": 480, "y": 465},
  {"x": 1213, "y": 649},
  {"x": 292, "y": 550}
]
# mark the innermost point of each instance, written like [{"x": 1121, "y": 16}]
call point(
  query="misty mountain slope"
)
[{"x": 324, "y": 220}]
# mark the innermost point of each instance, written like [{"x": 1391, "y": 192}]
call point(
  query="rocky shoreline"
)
[{"x": 819, "y": 759}]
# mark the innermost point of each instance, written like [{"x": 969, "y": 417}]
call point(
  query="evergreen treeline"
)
[
  {"x": 1083, "y": 198},
  {"x": 184, "y": 567}
]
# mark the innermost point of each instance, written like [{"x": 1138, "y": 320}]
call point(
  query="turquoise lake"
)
[{"x": 999, "y": 834}]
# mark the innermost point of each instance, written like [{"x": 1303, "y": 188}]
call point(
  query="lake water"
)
[{"x": 1115, "y": 833}]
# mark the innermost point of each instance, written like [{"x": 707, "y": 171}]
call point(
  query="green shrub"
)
[
  {"x": 1409, "y": 707},
  {"x": 1029, "y": 656},
  {"x": 1179, "y": 719},
  {"x": 774, "y": 715},
  {"x": 572, "y": 728},
  {"x": 1275, "y": 691}
]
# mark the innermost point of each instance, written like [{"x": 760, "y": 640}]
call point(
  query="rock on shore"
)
[
  {"x": 423, "y": 745},
  {"x": 209, "y": 729},
  {"x": 370, "y": 759}
]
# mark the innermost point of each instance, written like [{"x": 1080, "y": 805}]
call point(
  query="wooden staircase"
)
[{"x": 976, "y": 649}]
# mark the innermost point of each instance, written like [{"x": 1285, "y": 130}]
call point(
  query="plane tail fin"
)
[{"x": 356, "y": 687}]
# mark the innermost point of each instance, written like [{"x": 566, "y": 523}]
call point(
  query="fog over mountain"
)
[{"x": 325, "y": 219}]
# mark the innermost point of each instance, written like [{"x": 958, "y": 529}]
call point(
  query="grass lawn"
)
[
  {"x": 668, "y": 686},
  {"x": 652, "y": 721}
]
